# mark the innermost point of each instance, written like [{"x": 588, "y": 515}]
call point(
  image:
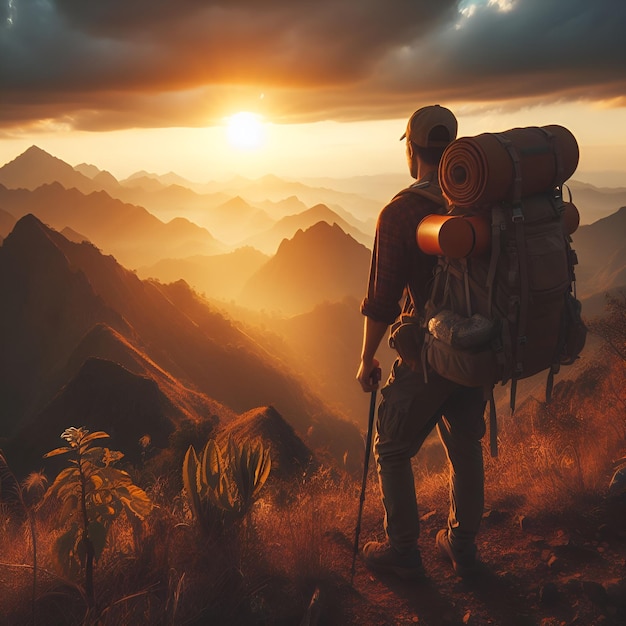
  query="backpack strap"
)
[
  {"x": 427, "y": 189},
  {"x": 466, "y": 287},
  {"x": 431, "y": 191},
  {"x": 558, "y": 159},
  {"x": 518, "y": 224},
  {"x": 497, "y": 226}
]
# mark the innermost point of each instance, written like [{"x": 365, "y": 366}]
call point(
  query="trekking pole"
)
[{"x": 374, "y": 378}]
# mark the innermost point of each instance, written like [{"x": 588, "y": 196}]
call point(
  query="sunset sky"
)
[{"x": 327, "y": 85}]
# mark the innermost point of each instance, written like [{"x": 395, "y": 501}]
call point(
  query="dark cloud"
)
[
  {"x": 562, "y": 47},
  {"x": 104, "y": 65}
]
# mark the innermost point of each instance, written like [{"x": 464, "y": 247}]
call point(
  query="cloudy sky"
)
[{"x": 117, "y": 81}]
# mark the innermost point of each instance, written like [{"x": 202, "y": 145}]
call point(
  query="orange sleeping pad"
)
[{"x": 495, "y": 167}]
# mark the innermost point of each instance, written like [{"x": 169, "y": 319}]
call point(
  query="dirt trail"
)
[{"x": 564, "y": 570}]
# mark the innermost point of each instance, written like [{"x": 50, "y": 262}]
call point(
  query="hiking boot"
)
[
  {"x": 463, "y": 561},
  {"x": 384, "y": 558}
]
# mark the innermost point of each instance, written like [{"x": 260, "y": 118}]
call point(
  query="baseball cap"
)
[{"x": 425, "y": 120}]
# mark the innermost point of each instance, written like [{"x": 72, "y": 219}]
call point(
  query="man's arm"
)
[{"x": 373, "y": 333}]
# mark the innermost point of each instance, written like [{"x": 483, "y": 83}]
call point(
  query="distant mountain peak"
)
[
  {"x": 320, "y": 235},
  {"x": 271, "y": 178},
  {"x": 323, "y": 229},
  {"x": 34, "y": 150},
  {"x": 323, "y": 213},
  {"x": 37, "y": 157},
  {"x": 86, "y": 169},
  {"x": 35, "y": 245},
  {"x": 28, "y": 225},
  {"x": 236, "y": 202},
  {"x": 141, "y": 174},
  {"x": 317, "y": 264},
  {"x": 290, "y": 456},
  {"x": 36, "y": 167}
]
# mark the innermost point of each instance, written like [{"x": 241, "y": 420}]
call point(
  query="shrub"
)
[
  {"x": 222, "y": 487},
  {"x": 93, "y": 494}
]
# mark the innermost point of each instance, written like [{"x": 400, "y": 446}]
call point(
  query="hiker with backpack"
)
[
  {"x": 411, "y": 406},
  {"x": 480, "y": 246}
]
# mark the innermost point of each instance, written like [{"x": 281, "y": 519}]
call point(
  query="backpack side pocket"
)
[{"x": 575, "y": 334}]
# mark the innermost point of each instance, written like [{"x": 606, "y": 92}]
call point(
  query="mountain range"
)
[
  {"x": 217, "y": 276},
  {"x": 129, "y": 232},
  {"x": 74, "y": 315},
  {"x": 285, "y": 228},
  {"x": 170, "y": 195},
  {"x": 85, "y": 340},
  {"x": 601, "y": 252},
  {"x": 316, "y": 265}
]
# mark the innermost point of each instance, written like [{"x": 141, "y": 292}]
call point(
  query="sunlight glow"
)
[
  {"x": 246, "y": 131},
  {"x": 333, "y": 149}
]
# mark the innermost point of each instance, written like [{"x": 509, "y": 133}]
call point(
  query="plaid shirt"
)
[{"x": 397, "y": 262}]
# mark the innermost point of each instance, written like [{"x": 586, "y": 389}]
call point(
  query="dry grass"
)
[
  {"x": 299, "y": 535},
  {"x": 554, "y": 454}
]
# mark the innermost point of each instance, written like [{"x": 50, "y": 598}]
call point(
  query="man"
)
[{"x": 410, "y": 407}]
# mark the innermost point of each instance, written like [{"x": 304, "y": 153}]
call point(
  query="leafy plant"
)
[
  {"x": 93, "y": 494},
  {"x": 222, "y": 487}
]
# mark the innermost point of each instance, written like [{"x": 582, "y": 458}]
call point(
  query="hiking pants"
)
[{"x": 409, "y": 410}]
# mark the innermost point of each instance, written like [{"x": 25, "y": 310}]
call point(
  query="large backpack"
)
[{"x": 502, "y": 305}]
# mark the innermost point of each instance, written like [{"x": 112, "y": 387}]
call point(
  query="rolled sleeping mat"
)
[
  {"x": 454, "y": 236},
  {"x": 496, "y": 167}
]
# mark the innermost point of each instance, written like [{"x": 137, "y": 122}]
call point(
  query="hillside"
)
[
  {"x": 219, "y": 276},
  {"x": 281, "y": 208},
  {"x": 170, "y": 195},
  {"x": 236, "y": 220},
  {"x": 594, "y": 203},
  {"x": 129, "y": 232},
  {"x": 269, "y": 240},
  {"x": 601, "y": 251},
  {"x": 274, "y": 188},
  {"x": 324, "y": 345},
  {"x": 7, "y": 222},
  {"x": 62, "y": 292},
  {"x": 319, "y": 264},
  {"x": 35, "y": 167},
  {"x": 290, "y": 456}
]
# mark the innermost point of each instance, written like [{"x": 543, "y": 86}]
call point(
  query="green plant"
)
[
  {"x": 222, "y": 487},
  {"x": 93, "y": 494}
]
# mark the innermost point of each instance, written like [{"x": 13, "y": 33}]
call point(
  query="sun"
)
[{"x": 246, "y": 131}]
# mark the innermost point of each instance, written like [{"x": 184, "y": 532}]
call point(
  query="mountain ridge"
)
[
  {"x": 175, "y": 195},
  {"x": 286, "y": 227},
  {"x": 601, "y": 252},
  {"x": 319, "y": 263},
  {"x": 130, "y": 232},
  {"x": 79, "y": 289}
]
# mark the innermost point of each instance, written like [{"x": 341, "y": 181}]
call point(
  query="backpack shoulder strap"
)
[{"x": 427, "y": 189}]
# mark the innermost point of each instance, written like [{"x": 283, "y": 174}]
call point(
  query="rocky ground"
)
[{"x": 566, "y": 569}]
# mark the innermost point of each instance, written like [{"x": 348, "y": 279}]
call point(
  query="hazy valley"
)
[{"x": 295, "y": 281}]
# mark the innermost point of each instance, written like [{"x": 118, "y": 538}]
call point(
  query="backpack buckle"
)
[{"x": 518, "y": 215}]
